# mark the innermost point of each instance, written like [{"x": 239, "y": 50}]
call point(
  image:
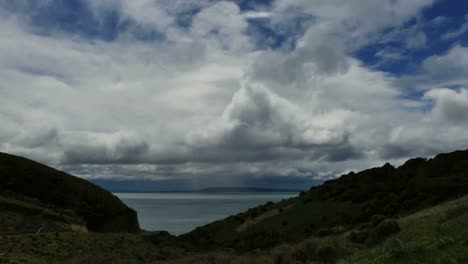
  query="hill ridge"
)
[{"x": 31, "y": 181}]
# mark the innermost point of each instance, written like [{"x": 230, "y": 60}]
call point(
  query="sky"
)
[{"x": 203, "y": 93}]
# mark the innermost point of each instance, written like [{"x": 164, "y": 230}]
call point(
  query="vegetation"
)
[
  {"x": 416, "y": 213},
  {"x": 70, "y": 248},
  {"x": 23, "y": 217},
  {"x": 434, "y": 235},
  {"x": 338, "y": 205},
  {"x": 34, "y": 183}
]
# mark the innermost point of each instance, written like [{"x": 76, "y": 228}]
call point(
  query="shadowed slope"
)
[
  {"x": 339, "y": 204},
  {"x": 45, "y": 187}
]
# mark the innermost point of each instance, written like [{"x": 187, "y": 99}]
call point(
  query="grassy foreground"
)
[
  {"x": 435, "y": 235},
  {"x": 351, "y": 219}
]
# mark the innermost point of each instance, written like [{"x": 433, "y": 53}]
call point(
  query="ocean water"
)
[{"x": 180, "y": 213}]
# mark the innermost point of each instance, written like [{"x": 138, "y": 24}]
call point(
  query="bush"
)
[
  {"x": 377, "y": 219},
  {"x": 358, "y": 236},
  {"x": 326, "y": 253},
  {"x": 385, "y": 229}
]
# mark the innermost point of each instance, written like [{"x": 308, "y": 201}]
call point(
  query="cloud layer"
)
[{"x": 219, "y": 93}]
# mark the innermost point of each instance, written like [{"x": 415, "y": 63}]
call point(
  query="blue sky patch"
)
[{"x": 396, "y": 57}]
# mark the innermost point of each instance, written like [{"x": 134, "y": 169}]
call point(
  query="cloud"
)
[
  {"x": 457, "y": 33},
  {"x": 257, "y": 14},
  {"x": 96, "y": 148},
  {"x": 222, "y": 22},
  {"x": 312, "y": 57},
  {"x": 449, "y": 66},
  {"x": 449, "y": 105},
  {"x": 387, "y": 56},
  {"x": 41, "y": 137},
  {"x": 258, "y": 118},
  {"x": 440, "y": 70},
  {"x": 203, "y": 103},
  {"x": 439, "y": 20},
  {"x": 417, "y": 40},
  {"x": 353, "y": 21}
]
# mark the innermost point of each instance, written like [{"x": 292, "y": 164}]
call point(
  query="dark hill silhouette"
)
[
  {"x": 417, "y": 184},
  {"x": 25, "y": 180}
]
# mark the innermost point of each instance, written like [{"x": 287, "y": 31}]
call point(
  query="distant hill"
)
[
  {"x": 149, "y": 186},
  {"x": 30, "y": 190},
  {"x": 352, "y": 199},
  {"x": 242, "y": 190}
]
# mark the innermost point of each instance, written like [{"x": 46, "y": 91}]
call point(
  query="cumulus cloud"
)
[
  {"x": 451, "y": 65},
  {"x": 223, "y": 22},
  {"x": 448, "y": 69},
  {"x": 353, "y": 21},
  {"x": 256, "y": 117},
  {"x": 449, "y": 105},
  {"x": 203, "y": 103}
]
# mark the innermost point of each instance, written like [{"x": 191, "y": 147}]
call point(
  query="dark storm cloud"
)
[
  {"x": 41, "y": 137},
  {"x": 342, "y": 152},
  {"x": 195, "y": 175},
  {"x": 391, "y": 151},
  {"x": 121, "y": 152}
]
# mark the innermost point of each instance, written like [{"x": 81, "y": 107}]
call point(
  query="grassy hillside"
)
[
  {"x": 409, "y": 214},
  {"x": 434, "y": 235},
  {"x": 341, "y": 204},
  {"x": 34, "y": 183}
]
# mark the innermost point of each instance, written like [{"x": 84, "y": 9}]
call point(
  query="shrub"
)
[
  {"x": 385, "y": 229},
  {"x": 326, "y": 253},
  {"x": 377, "y": 219},
  {"x": 358, "y": 236}
]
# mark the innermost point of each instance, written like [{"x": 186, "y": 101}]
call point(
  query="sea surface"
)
[{"x": 180, "y": 213}]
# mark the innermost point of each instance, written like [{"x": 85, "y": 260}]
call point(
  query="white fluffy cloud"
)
[
  {"x": 223, "y": 22},
  {"x": 449, "y": 105},
  {"x": 450, "y": 66},
  {"x": 207, "y": 102},
  {"x": 258, "y": 118}
]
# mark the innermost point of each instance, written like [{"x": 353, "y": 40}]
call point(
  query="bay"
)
[{"x": 180, "y": 212}]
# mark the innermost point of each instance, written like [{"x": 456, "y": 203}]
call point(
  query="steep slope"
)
[
  {"x": 409, "y": 214},
  {"x": 438, "y": 234},
  {"x": 340, "y": 204},
  {"x": 43, "y": 187},
  {"x": 435, "y": 235}
]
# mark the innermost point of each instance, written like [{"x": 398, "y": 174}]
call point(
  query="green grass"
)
[{"x": 435, "y": 235}]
